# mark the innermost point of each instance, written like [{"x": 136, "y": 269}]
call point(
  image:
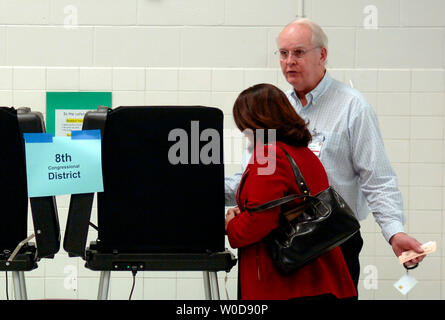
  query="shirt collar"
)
[{"x": 317, "y": 92}]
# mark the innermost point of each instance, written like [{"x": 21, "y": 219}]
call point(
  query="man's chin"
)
[{"x": 294, "y": 82}]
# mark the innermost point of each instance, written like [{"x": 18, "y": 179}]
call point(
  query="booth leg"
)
[
  {"x": 208, "y": 293},
  {"x": 214, "y": 285},
  {"x": 23, "y": 285},
  {"x": 104, "y": 284},
  {"x": 19, "y": 287}
]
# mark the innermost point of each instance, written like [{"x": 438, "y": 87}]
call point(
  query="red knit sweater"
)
[{"x": 258, "y": 276}]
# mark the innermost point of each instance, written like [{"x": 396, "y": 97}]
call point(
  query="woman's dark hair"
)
[{"x": 264, "y": 106}]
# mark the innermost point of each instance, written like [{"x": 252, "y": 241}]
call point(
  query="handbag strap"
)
[
  {"x": 298, "y": 176},
  {"x": 275, "y": 203},
  {"x": 305, "y": 192}
]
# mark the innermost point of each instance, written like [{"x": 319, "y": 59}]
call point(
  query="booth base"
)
[
  {"x": 25, "y": 260},
  {"x": 209, "y": 264}
]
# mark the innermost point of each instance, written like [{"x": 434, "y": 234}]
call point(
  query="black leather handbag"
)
[{"x": 309, "y": 228}]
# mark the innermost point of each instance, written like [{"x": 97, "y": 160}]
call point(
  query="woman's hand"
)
[{"x": 231, "y": 213}]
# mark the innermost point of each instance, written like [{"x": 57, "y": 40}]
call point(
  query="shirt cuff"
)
[
  {"x": 391, "y": 229},
  {"x": 231, "y": 184}
]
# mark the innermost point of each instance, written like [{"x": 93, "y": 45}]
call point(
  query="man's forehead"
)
[{"x": 295, "y": 35}]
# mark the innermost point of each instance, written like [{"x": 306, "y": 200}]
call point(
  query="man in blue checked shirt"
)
[{"x": 346, "y": 138}]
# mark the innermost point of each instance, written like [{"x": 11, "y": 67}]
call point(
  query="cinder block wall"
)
[{"x": 206, "y": 52}]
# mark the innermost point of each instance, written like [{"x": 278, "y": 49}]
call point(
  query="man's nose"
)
[{"x": 291, "y": 59}]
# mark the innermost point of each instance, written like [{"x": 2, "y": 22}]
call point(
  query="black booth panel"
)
[
  {"x": 150, "y": 204},
  {"x": 44, "y": 209},
  {"x": 13, "y": 189}
]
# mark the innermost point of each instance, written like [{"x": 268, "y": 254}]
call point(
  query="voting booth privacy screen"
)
[
  {"x": 163, "y": 178},
  {"x": 13, "y": 194},
  {"x": 13, "y": 190}
]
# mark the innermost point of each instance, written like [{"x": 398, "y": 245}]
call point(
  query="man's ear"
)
[{"x": 324, "y": 55}]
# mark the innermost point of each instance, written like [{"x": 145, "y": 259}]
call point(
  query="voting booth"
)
[
  {"x": 162, "y": 207},
  {"x": 17, "y": 253}
]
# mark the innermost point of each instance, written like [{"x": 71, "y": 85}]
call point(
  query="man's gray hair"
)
[{"x": 319, "y": 37}]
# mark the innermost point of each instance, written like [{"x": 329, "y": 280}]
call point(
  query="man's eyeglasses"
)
[{"x": 297, "y": 53}]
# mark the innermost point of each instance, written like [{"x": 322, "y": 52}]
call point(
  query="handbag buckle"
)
[{"x": 318, "y": 208}]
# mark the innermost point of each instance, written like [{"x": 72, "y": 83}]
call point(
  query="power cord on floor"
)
[{"x": 134, "y": 270}]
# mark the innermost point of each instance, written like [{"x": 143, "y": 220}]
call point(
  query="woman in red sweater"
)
[{"x": 266, "y": 107}]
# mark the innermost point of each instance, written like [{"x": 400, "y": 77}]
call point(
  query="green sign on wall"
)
[{"x": 65, "y": 110}]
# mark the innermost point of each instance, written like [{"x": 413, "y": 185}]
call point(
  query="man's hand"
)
[
  {"x": 401, "y": 242},
  {"x": 231, "y": 213}
]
